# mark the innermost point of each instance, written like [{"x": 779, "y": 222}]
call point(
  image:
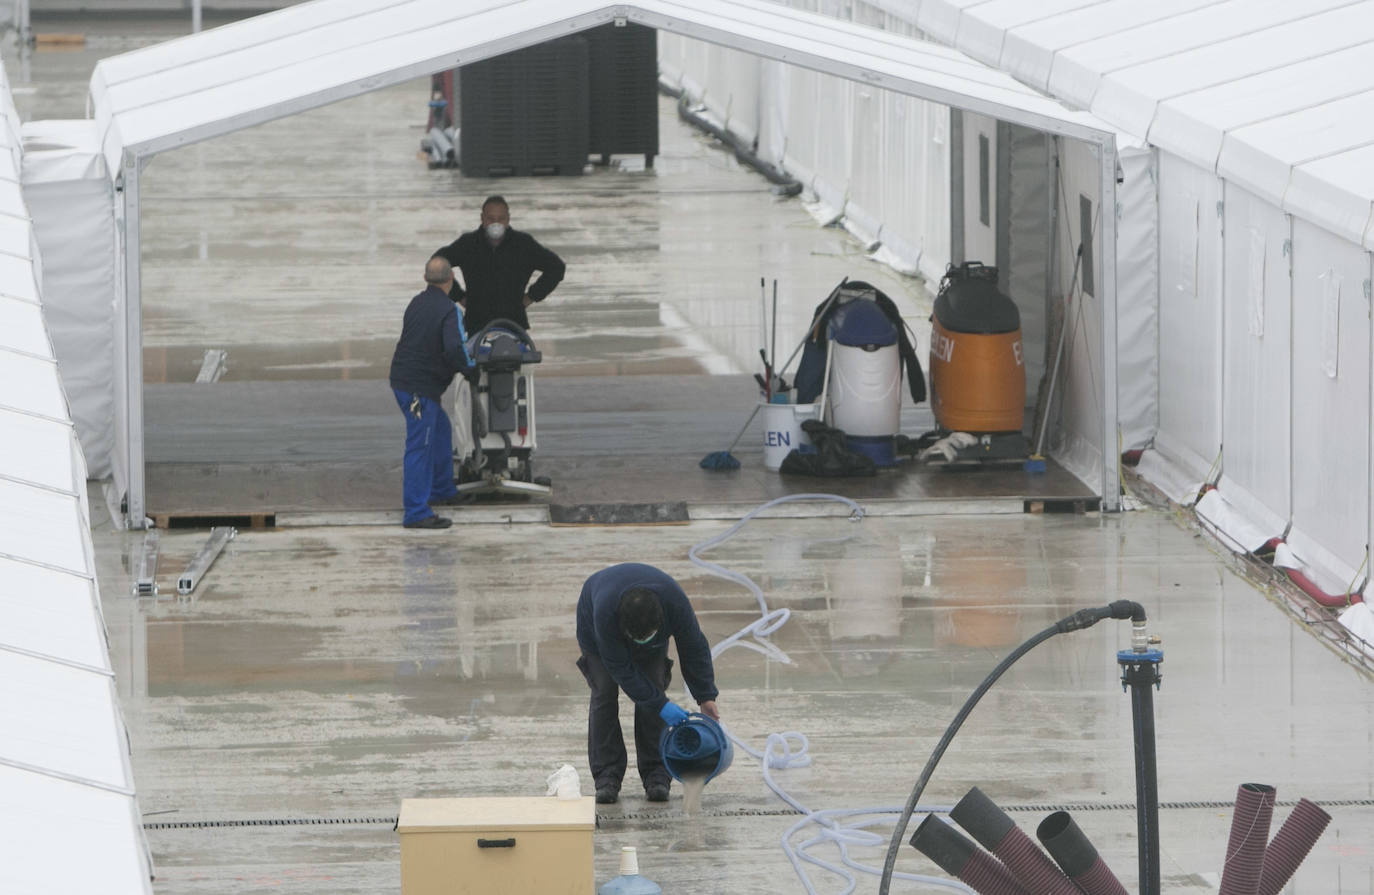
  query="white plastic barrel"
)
[
  {"x": 866, "y": 390},
  {"x": 782, "y": 431}
]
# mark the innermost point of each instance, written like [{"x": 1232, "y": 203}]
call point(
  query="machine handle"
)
[{"x": 496, "y": 843}]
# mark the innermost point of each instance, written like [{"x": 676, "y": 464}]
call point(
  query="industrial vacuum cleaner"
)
[
  {"x": 977, "y": 370},
  {"x": 494, "y": 428}
]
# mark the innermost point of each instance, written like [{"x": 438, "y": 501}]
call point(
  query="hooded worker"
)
[{"x": 625, "y": 616}]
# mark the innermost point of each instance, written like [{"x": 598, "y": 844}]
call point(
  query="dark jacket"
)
[
  {"x": 495, "y": 280},
  {"x": 431, "y": 348},
  {"x": 598, "y": 633}
]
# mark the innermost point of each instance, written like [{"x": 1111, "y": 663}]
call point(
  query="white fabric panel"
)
[
  {"x": 1079, "y": 67},
  {"x": 31, "y": 384},
  {"x": 51, "y": 613},
  {"x": 21, "y": 327},
  {"x": 61, "y": 718},
  {"x": 72, "y": 204},
  {"x": 37, "y": 450},
  {"x": 984, "y": 26},
  {"x": 939, "y": 19},
  {"x": 1235, "y": 528},
  {"x": 1029, "y": 51},
  {"x": 1337, "y": 191},
  {"x": 41, "y": 526},
  {"x": 1330, "y": 467},
  {"x": 1178, "y": 483},
  {"x": 980, "y": 240},
  {"x": 1257, "y": 390},
  {"x": 774, "y": 124},
  {"x": 1192, "y": 125},
  {"x": 1261, "y": 156},
  {"x": 1137, "y": 299},
  {"x": 1077, "y": 441},
  {"x": 1128, "y": 97},
  {"x": 1189, "y": 313},
  {"x": 64, "y": 837}
]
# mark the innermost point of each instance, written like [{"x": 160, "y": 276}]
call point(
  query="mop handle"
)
[
  {"x": 819, "y": 314},
  {"x": 744, "y": 428}
]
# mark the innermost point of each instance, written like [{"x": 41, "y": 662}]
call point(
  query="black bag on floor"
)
[{"x": 832, "y": 457}]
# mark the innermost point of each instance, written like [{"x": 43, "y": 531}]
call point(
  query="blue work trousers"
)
[{"x": 429, "y": 455}]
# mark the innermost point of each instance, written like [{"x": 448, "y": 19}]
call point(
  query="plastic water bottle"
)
[{"x": 629, "y": 882}]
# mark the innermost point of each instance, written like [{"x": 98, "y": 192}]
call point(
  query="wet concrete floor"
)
[{"x": 322, "y": 673}]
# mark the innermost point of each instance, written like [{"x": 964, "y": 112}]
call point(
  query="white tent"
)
[
  {"x": 1261, "y": 113},
  {"x": 206, "y": 85},
  {"x": 69, "y": 821}
]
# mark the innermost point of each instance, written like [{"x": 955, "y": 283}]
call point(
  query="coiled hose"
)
[{"x": 789, "y": 749}]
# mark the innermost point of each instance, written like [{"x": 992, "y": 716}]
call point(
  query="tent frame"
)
[{"x": 754, "y": 37}]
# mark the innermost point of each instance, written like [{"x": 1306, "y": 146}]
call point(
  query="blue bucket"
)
[{"x": 696, "y": 746}]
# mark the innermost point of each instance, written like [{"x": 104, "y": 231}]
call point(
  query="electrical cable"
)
[{"x": 789, "y": 749}]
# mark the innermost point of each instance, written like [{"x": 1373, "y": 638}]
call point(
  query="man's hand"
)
[
  {"x": 708, "y": 708},
  {"x": 528, "y": 301}
]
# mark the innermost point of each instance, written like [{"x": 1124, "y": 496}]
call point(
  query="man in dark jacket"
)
[
  {"x": 428, "y": 354},
  {"x": 497, "y": 263},
  {"x": 625, "y": 615}
]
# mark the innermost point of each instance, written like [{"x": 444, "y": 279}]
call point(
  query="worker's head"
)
[
  {"x": 438, "y": 272},
  {"x": 495, "y": 217},
  {"x": 641, "y": 615}
]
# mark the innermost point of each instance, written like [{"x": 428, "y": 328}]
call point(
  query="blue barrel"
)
[{"x": 696, "y": 746}]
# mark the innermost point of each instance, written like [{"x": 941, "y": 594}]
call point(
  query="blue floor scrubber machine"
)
[{"x": 493, "y": 421}]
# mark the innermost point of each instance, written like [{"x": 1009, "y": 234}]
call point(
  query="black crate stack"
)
[
  {"x": 544, "y": 109},
  {"x": 624, "y": 98},
  {"x": 525, "y": 112}
]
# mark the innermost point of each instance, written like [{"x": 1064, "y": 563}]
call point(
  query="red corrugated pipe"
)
[
  {"x": 958, "y": 855},
  {"x": 1290, "y": 845},
  {"x": 1307, "y": 585},
  {"x": 996, "y": 832},
  {"x": 1249, "y": 834}
]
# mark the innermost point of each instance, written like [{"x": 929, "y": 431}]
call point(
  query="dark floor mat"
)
[{"x": 672, "y": 513}]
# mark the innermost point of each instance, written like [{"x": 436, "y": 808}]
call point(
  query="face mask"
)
[
  {"x": 643, "y": 640},
  {"x": 496, "y": 231}
]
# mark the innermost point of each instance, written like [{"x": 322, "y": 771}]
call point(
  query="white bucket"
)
[{"x": 782, "y": 431}]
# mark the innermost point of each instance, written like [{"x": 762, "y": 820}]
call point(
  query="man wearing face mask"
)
[
  {"x": 625, "y": 615},
  {"x": 497, "y": 262}
]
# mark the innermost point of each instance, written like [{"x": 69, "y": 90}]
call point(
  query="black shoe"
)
[
  {"x": 430, "y": 522},
  {"x": 543, "y": 480},
  {"x": 606, "y": 795},
  {"x": 452, "y": 500},
  {"x": 656, "y": 792}
]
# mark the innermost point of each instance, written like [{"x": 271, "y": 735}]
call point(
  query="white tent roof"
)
[
  {"x": 69, "y": 821},
  {"x": 1274, "y": 95},
  {"x": 308, "y": 55}
]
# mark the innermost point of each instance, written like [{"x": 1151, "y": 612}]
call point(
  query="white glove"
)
[{"x": 949, "y": 446}]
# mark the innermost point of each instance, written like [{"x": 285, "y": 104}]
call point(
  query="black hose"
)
[{"x": 1083, "y": 618}]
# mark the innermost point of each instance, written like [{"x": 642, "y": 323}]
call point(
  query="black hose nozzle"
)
[{"x": 1086, "y": 618}]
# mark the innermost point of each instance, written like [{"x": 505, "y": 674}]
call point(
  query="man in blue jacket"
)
[
  {"x": 428, "y": 354},
  {"x": 625, "y": 615}
]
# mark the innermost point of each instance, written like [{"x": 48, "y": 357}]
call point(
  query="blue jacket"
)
[
  {"x": 431, "y": 348},
  {"x": 598, "y": 633}
]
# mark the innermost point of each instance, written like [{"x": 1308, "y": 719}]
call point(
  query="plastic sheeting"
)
[{"x": 69, "y": 196}]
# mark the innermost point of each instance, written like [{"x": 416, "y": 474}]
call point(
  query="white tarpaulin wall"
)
[
  {"x": 68, "y": 192},
  {"x": 1262, "y": 116},
  {"x": 69, "y": 821},
  {"x": 229, "y": 78}
]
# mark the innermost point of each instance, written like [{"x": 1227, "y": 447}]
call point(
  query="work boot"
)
[
  {"x": 656, "y": 792},
  {"x": 452, "y": 500},
  {"x": 607, "y": 795},
  {"x": 430, "y": 522}
]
